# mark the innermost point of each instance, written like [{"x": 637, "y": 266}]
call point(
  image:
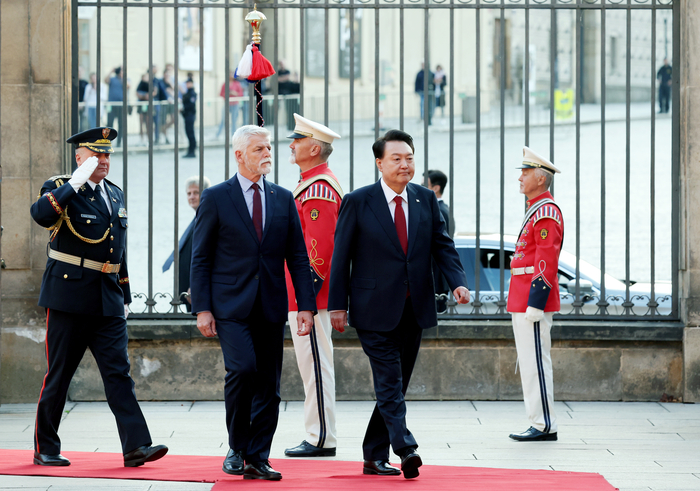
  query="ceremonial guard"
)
[
  {"x": 85, "y": 291},
  {"x": 318, "y": 197},
  {"x": 533, "y": 296}
]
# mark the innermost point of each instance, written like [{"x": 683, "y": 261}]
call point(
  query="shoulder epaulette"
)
[
  {"x": 59, "y": 180},
  {"x": 112, "y": 184},
  {"x": 321, "y": 177},
  {"x": 319, "y": 191},
  {"x": 547, "y": 211}
]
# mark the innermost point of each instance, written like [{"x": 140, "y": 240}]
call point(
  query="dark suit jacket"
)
[
  {"x": 185, "y": 258},
  {"x": 371, "y": 273},
  {"x": 441, "y": 285},
  {"x": 229, "y": 264},
  {"x": 72, "y": 288}
]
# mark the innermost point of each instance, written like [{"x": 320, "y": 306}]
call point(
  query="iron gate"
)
[{"x": 576, "y": 79}]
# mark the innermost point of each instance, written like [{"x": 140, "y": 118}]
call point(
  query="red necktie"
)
[
  {"x": 257, "y": 211},
  {"x": 400, "y": 223}
]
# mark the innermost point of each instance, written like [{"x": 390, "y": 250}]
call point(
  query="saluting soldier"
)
[
  {"x": 318, "y": 196},
  {"x": 533, "y": 296},
  {"x": 85, "y": 291}
]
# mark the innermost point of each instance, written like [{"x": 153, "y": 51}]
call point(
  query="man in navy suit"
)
[
  {"x": 437, "y": 182},
  {"x": 385, "y": 238},
  {"x": 245, "y": 230}
]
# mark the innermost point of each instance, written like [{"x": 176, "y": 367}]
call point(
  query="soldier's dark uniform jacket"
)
[{"x": 81, "y": 226}]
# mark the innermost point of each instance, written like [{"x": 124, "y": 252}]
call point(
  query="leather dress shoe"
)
[
  {"x": 532, "y": 434},
  {"x": 44, "y": 459},
  {"x": 144, "y": 454},
  {"x": 410, "y": 462},
  {"x": 379, "y": 467},
  {"x": 233, "y": 463},
  {"x": 305, "y": 449},
  {"x": 261, "y": 470}
]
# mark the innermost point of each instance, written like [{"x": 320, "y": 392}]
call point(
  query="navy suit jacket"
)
[
  {"x": 229, "y": 264},
  {"x": 371, "y": 273}
]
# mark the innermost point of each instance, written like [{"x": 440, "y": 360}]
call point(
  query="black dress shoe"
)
[
  {"x": 144, "y": 454},
  {"x": 43, "y": 459},
  {"x": 410, "y": 462},
  {"x": 261, "y": 470},
  {"x": 233, "y": 463},
  {"x": 379, "y": 467},
  {"x": 305, "y": 449},
  {"x": 533, "y": 435}
]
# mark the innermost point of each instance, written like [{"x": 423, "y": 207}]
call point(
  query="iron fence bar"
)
[
  {"x": 552, "y": 80},
  {"x": 326, "y": 62},
  {"x": 227, "y": 94},
  {"x": 150, "y": 302},
  {"x": 75, "y": 78},
  {"x": 628, "y": 84},
  {"x": 502, "y": 224},
  {"x": 452, "y": 120},
  {"x": 602, "y": 302},
  {"x": 527, "y": 74},
  {"x": 579, "y": 92},
  {"x": 477, "y": 253},
  {"x": 401, "y": 65},
  {"x": 426, "y": 85},
  {"x": 201, "y": 97},
  {"x": 98, "y": 68},
  {"x": 376, "y": 80},
  {"x": 652, "y": 171},
  {"x": 176, "y": 302},
  {"x": 275, "y": 90},
  {"x": 302, "y": 56},
  {"x": 351, "y": 24},
  {"x": 675, "y": 160},
  {"x": 125, "y": 99}
]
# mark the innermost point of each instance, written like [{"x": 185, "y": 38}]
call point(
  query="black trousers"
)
[
  {"x": 392, "y": 356},
  {"x": 252, "y": 351},
  {"x": 664, "y": 97},
  {"x": 67, "y": 338},
  {"x": 189, "y": 130}
]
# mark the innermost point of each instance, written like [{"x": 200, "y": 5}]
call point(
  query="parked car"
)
[{"x": 589, "y": 281}]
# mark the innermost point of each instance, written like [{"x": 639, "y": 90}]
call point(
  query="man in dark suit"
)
[
  {"x": 185, "y": 243},
  {"x": 385, "y": 238},
  {"x": 436, "y": 181},
  {"x": 85, "y": 291},
  {"x": 245, "y": 230}
]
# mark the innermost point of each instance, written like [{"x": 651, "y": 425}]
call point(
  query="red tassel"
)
[{"x": 262, "y": 68}]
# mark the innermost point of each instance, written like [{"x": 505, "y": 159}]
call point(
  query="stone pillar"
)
[
  {"x": 35, "y": 35},
  {"x": 689, "y": 70}
]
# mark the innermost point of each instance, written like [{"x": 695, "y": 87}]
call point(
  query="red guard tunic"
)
[
  {"x": 318, "y": 196},
  {"x": 537, "y": 259}
]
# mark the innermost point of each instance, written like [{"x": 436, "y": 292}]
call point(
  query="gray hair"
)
[
  {"x": 326, "y": 149},
  {"x": 241, "y": 138},
  {"x": 195, "y": 180},
  {"x": 548, "y": 177}
]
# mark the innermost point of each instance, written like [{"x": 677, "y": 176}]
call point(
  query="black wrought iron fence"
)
[{"x": 578, "y": 80}]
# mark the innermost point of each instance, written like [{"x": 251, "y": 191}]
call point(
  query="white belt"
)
[
  {"x": 519, "y": 271},
  {"x": 85, "y": 263}
]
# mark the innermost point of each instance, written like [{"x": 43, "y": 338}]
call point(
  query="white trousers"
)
[
  {"x": 533, "y": 342},
  {"x": 315, "y": 360}
]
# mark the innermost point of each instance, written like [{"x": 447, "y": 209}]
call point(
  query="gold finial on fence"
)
[{"x": 255, "y": 19}]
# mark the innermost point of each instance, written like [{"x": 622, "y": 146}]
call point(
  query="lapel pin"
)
[
  {"x": 92, "y": 198},
  {"x": 114, "y": 200},
  {"x": 417, "y": 200}
]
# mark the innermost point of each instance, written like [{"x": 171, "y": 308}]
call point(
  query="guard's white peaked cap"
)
[
  {"x": 531, "y": 160},
  {"x": 305, "y": 128}
]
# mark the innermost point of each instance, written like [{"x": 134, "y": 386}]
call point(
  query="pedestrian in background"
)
[
  {"x": 91, "y": 100},
  {"x": 189, "y": 113},
  {"x": 436, "y": 181},
  {"x": 116, "y": 95},
  {"x": 234, "y": 91},
  {"x": 420, "y": 90},
  {"x": 440, "y": 80},
  {"x": 665, "y": 78}
]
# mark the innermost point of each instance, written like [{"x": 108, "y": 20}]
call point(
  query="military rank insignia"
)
[
  {"x": 314, "y": 214},
  {"x": 122, "y": 213},
  {"x": 543, "y": 233},
  {"x": 92, "y": 198}
]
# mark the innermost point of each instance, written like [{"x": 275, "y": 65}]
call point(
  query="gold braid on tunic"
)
[{"x": 65, "y": 218}]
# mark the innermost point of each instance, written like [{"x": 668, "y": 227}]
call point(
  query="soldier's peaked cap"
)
[
  {"x": 96, "y": 139},
  {"x": 305, "y": 128},
  {"x": 531, "y": 160}
]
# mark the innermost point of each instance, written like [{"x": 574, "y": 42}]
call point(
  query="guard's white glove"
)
[
  {"x": 126, "y": 311},
  {"x": 83, "y": 173},
  {"x": 534, "y": 315}
]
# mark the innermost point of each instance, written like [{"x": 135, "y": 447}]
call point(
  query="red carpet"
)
[{"x": 303, "y": 474}]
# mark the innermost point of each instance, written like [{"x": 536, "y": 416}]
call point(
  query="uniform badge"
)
[
  {"x": 82, "y": 188},
  {"x": 122, "y": 213},
  {"x": 543, "y": 233},
  {"x": 314, "y": 214},
  {"x": 92, "y": 198},
  {"x": 105, "y": 132}
]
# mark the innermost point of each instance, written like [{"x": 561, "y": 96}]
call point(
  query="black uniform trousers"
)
[
  {"x": 189, "y": 130},
  {"x": 664, "y": 97},
  {"x": 67, "y": 337},
  {"x": 392, "y": 356},
  {"x": 252, "y": 350}
]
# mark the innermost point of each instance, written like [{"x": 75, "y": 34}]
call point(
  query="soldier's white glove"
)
[
  {"x": 83, "y": 173},
  {"x": 534, "y": 315},
  {"x": 126, "y": 311}
]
